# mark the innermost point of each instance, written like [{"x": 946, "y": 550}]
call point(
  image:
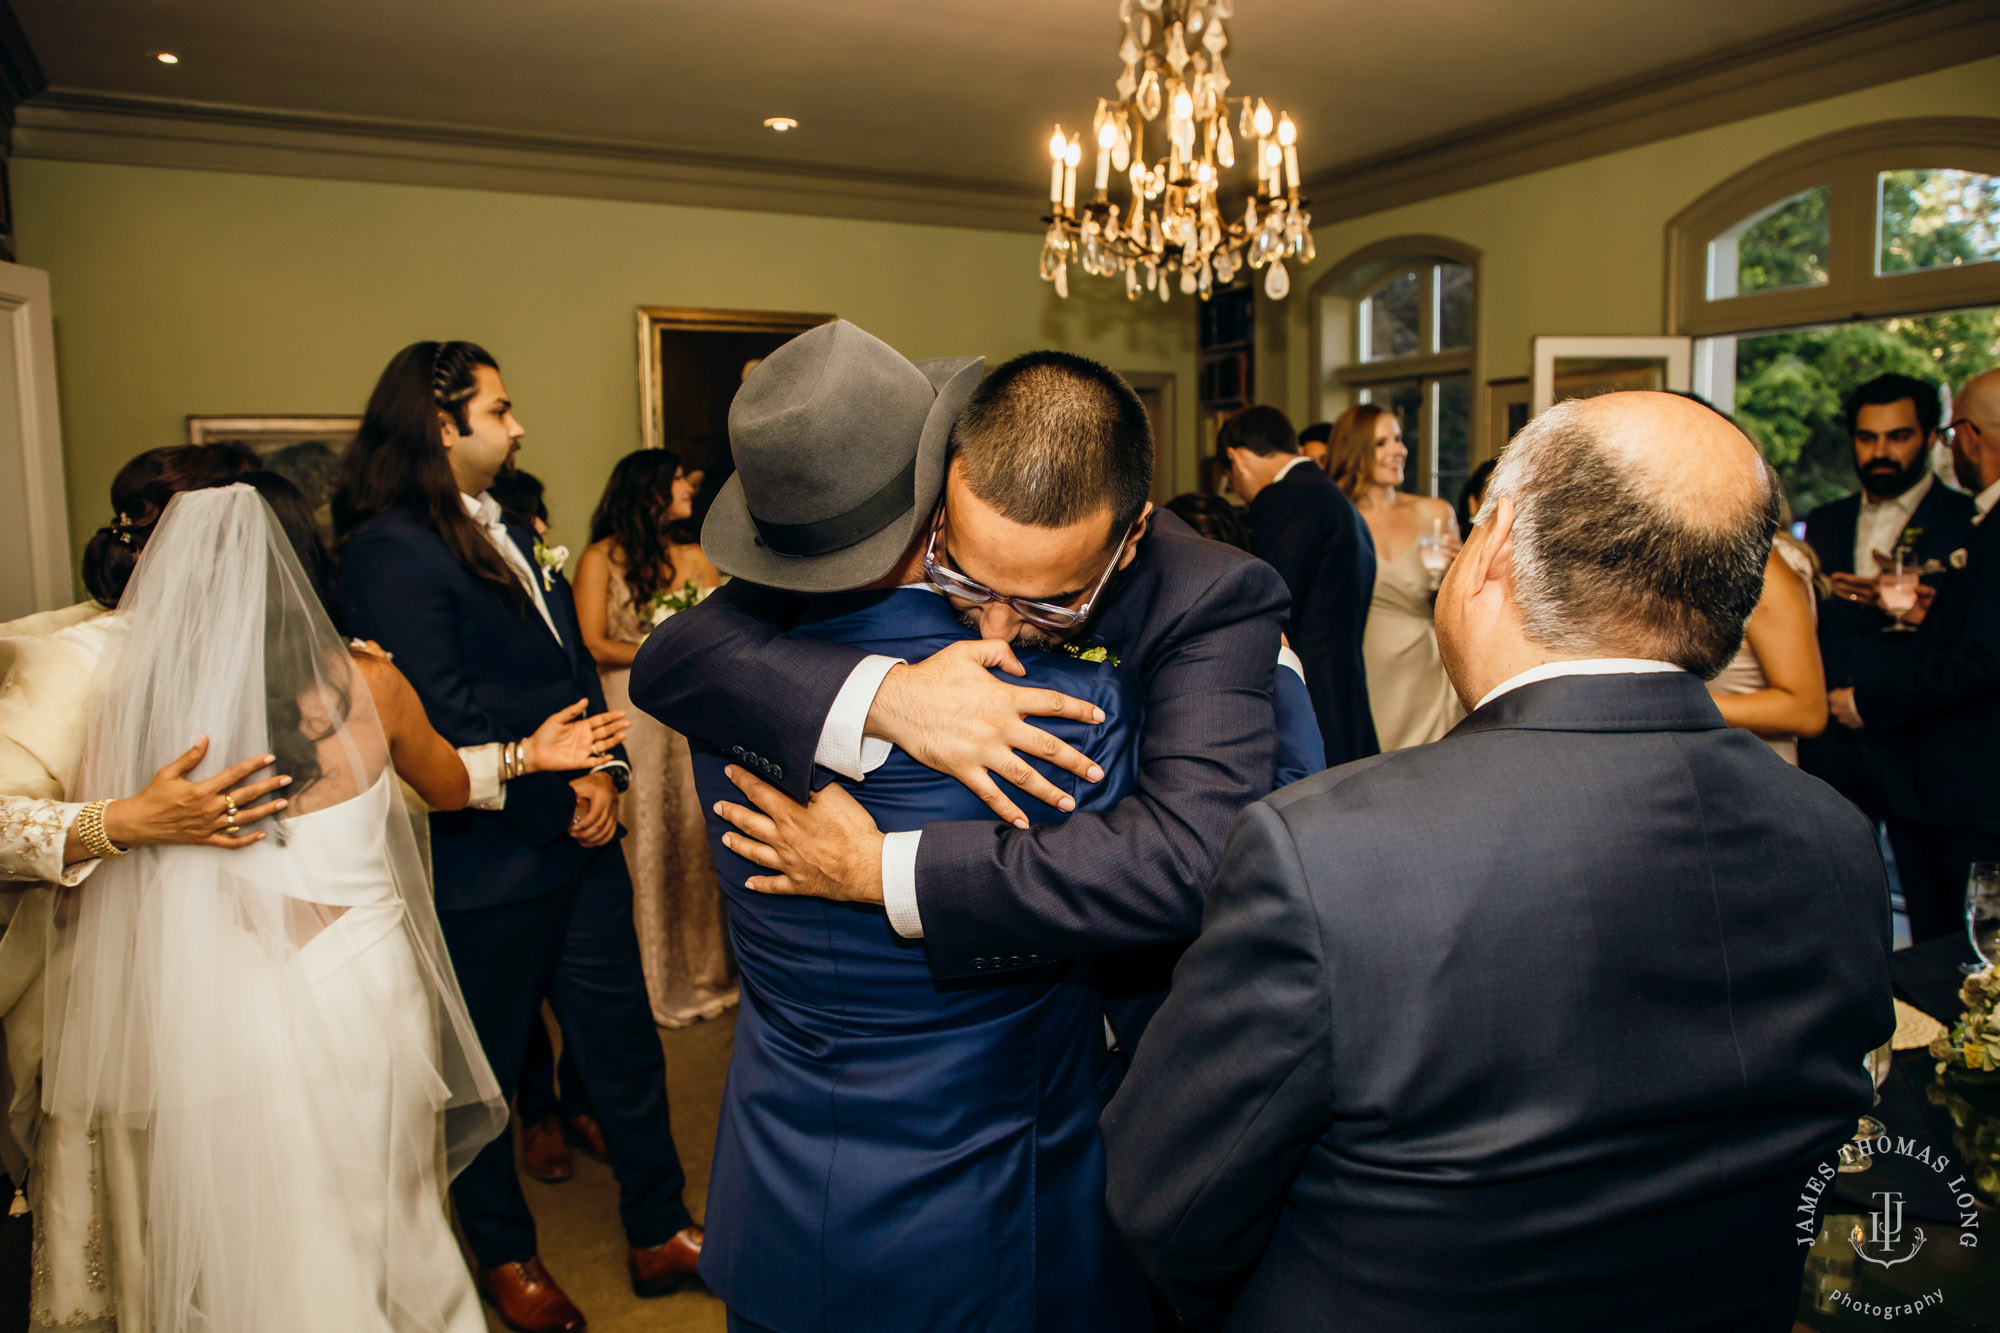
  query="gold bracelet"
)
[{"x": 90, "y": 831}]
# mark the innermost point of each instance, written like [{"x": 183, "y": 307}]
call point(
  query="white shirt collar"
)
[
  {"x": 1289, "y": 466},
  {"x": 483, "y": 507},
  {"x": 1982, "y": 503},
  {"x": 1590, "y": 666}
]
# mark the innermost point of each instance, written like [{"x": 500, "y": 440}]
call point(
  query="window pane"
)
[
  {"x": 1454, "y": 436},
  {"x": 1406, "y": 399},
  {"x": 1454, "y": 321},
  {"x": 1936, "y": 219},
  {"x": 1391, "y": 318},
  {"x": 1780, "y": 247}
]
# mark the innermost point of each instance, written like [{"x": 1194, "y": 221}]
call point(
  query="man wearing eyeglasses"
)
[
  {"x": 1032, "y": 551},
  {"x": 1937, "y": 713}
]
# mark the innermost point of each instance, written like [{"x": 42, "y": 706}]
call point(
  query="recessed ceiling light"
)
[
  {"x": 781, "y": 123},
  {"x": 166, "y": 57}
]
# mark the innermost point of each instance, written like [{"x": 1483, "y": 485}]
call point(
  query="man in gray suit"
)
[{"x": 1544, "y": 1026}]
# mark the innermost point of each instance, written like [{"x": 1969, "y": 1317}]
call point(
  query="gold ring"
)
[
  {"x": 233, "y": 831},
  {"x": 230, "y": 802}
]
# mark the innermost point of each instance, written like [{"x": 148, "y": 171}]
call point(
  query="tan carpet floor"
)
[{"x": 577, "y": 1221}]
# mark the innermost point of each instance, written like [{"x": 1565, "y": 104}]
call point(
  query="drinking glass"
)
[
  {"x": 1982, "y": 910},
  {"x": 1431, "y": 549},
  {"x": 1896, "y": 590}
]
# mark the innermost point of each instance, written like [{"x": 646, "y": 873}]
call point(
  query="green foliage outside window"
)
[{"x": 1789, "y": 385}]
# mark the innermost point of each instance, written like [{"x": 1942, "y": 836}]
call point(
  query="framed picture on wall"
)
[
  {"x": 303, "y": 450},
  {"x": 1506, "y": 412},
  {"x": 1580, "y": 367},
  {"x": 691, "y": 362}
]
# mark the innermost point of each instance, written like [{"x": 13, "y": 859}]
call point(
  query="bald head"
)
[
  {"x": 1975, "y": 437},
  {"x": 1642, "y": 522}
]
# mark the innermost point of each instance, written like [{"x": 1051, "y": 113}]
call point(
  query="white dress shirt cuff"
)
[
  {"x": 843, "y": 746},
  {"x": 899, "y": 883},
  {"x": 482, "y": 765}
]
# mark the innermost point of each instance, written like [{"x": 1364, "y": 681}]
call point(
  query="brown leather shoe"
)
[
  {"x": 528, "y": 1299},
  {"x": 544, "y": 1154},
  {"x": 583, "y": 1128},
  {"x": 659, "y": 1269}
]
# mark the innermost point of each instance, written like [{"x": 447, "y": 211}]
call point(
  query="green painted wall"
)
[
  {"x": 1581, "y": 248},
  {"x": 179, "y": 292}
]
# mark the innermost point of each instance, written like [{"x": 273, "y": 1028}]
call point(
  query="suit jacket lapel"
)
[{"x": 1840, "y": 559}]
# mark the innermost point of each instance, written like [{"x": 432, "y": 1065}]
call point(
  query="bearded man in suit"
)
[{"x": 1893, "y": 420}]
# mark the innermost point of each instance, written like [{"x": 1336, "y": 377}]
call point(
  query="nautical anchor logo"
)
[{"x": 1885, "y": 1232}]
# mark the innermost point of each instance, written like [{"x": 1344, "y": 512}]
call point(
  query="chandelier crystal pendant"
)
[{"x": 1171, "y": 229}]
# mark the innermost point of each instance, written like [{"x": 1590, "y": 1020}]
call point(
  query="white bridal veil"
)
[{"x": 281, "y": 1022}]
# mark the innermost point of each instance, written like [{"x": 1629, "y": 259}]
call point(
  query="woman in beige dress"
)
[
  {"x": 633, "y": 558},
  {"x": 1408, "y": 692}
]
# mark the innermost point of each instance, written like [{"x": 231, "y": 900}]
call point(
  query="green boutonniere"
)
[
  {"x": 1911, "y": 536},
  {"x": 551, "y": 559},
  {"x": 1096, "y": 652}
]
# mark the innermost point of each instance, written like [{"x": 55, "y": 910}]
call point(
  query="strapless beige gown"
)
[
  {"x": 676, "y": 900},
  {"x": 1408, "y": 692}
]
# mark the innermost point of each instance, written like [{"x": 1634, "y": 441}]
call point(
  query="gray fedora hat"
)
[{"x": 839, "y": 445}]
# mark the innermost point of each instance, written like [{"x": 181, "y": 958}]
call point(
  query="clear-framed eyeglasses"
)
[
  {"x": 1043, "y": 615},
  {"x": 1949, "y": 435}
]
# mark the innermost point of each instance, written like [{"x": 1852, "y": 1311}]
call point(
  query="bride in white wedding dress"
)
[{"x": 281, "y": 1023}]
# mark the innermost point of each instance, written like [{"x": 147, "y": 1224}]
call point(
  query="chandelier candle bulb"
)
[
  {"x": 1106, "y": 139},
  {"x": 1071, "y": 156},
  {"x": 1058, "y": 149}
]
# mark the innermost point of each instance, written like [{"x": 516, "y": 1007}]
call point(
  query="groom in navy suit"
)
[
  {"x": 1040, "y": 532},
  {"x": 532, "y": 890}
]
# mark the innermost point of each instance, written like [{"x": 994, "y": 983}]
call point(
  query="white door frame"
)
[{"x": 24, "y": 302}]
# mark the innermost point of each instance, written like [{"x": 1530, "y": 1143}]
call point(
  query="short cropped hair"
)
[
  {"x": 1050, "y": 439},
  {"x": 1320, "y": 432},
  {"x": 1262, "y": 430},
  {"x": 1603, "y": 568},
  {"x": 1893, "y": 388}
]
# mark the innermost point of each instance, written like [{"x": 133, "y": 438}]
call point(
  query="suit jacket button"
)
[
  {"x": 736, "y": 750},
  {"x": 777, "y": 773}
]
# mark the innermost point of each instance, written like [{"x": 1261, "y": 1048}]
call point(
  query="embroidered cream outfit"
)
[{"x": 82, "y": 1185}]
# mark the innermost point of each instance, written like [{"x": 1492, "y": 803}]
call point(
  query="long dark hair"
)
[
  {"x": 139, "y": 495},
  {"x": 286, "y": 682},
  {"x": 633, "y": 514},
  {"x": 397, "y": 460}
]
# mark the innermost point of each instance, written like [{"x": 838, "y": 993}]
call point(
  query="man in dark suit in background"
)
[
  {"x": 532, "y": 890},
  {"x": 1893, "y": 420},
  {"x": 1195, "y": 623},
  {"x": 1937, "y": 710},
  {"x": 1302, "y": 525},
  {"x": 1532, "y": 1072}
]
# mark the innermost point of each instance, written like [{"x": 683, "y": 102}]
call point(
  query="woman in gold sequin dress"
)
[{"x": 633, "y": 557}]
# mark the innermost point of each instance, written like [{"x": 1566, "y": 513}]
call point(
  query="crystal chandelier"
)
[{"x": 1173, "y": 220}]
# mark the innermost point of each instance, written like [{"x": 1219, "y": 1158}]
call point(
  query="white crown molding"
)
[
  {"x": 1869, "y": 47},
  {"x": 76, "y": 125}
]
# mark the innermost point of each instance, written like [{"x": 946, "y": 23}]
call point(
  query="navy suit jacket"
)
[
  {"x": 1851, "y": 642},
  {"x": 1305, "y": 527},
  {"x": 485, "y": 672},
  {"x": 1195, "y": 624},
  {"x": 1558, "y": 1054},
  {"x": 1937, "y": 711},
  {"x": 900, "y": 1153}
]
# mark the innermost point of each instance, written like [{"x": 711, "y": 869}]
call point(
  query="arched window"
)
[
  {"x": 1870, "y": 250},
  {"x": 1396, "y": 324}
]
